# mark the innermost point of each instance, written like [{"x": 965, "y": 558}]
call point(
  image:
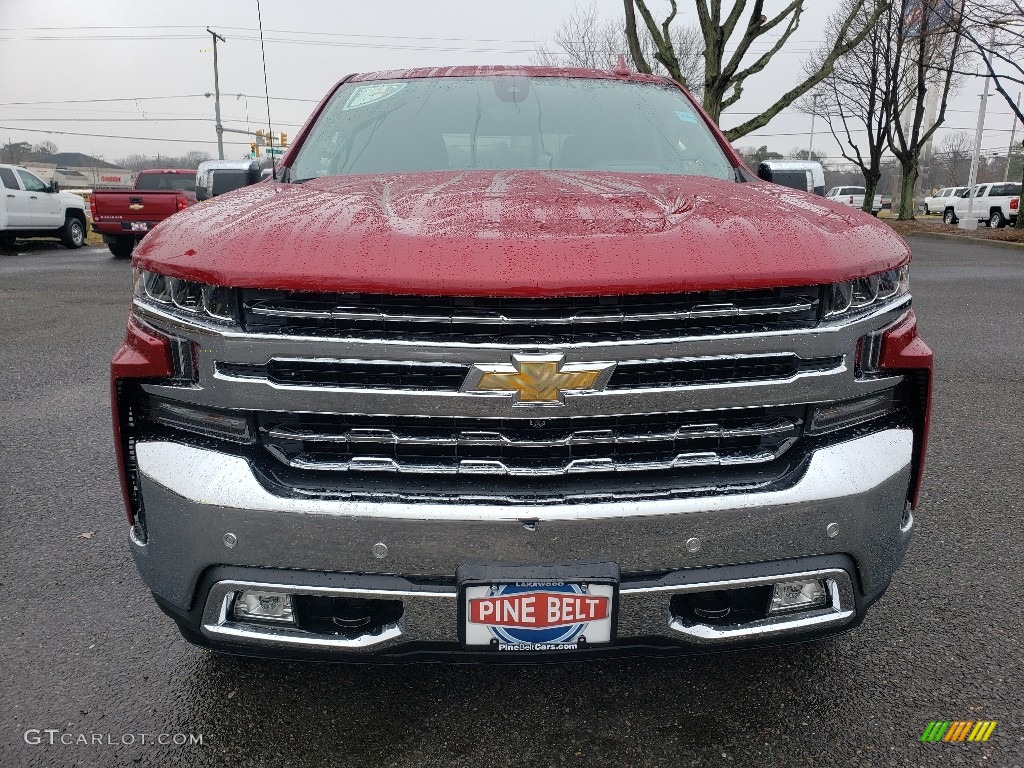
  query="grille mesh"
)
[
  {"x": 362, "y": 374},
  {"x": 539, "y": 446},
  {"x": 530, "y": 320}
]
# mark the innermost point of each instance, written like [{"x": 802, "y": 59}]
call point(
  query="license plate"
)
[
  {"x": 140, "y": 226},
  {"x": 538, "y": 615}
]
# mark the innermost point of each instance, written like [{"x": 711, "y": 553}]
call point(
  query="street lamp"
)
[{"x": 970, "y": 221}]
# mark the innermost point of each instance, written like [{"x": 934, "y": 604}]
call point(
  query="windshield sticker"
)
[
  {"x": 371, "y": 94},
  {"x": 686, "y": 117}
]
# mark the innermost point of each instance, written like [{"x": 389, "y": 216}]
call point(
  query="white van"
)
[{"x": 29, "y": 207}]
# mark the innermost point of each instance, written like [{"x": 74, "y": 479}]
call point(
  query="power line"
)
[
  {"x": 146, "y": 98},
  {"x": 126, "y": 120},
  {"x": 273, "y": 31},
  {"x": 98, "y": 101},
  {"x": 109, "y": 136}
]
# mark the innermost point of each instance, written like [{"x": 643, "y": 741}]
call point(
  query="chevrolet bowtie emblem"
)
[
  {"x": 136, "y": 207},
  {"x": 537, "y": 379}
]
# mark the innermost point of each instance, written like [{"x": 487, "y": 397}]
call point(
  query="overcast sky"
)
[{"x": 139, "y": 68}]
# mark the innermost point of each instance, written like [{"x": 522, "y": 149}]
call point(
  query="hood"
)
[
  {"x": 71, "y": 200},
  {"x": 519, "y": 233}
]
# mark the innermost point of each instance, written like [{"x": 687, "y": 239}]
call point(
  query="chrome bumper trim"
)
[
  {"x": 840, "y": 611},
  {"x": 211, "y": 478},
  {"x": 194, "y": 497},
  {"x": 431, "y": 616},
  {"x": 217, "y": 622}
]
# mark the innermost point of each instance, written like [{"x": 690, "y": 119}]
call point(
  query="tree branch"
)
[
  {"x": 824, "y": 70},
  {"x": 636, "y": 52}
]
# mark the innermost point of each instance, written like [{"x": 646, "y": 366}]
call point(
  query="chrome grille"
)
[
  {"x": 530, "y": 320},
  {"x": 361, "y": 396},
  {"x": 529, "y": 447}
]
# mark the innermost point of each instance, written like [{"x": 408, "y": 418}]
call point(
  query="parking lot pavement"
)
[{"x": 86, "y": 652}]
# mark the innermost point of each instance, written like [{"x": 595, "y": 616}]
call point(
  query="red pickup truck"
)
[
  {"x": 502, "y": 365},
  {"x": 124, "y": 217}
]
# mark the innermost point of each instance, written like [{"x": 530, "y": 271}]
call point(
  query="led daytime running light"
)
[
  {"x": 187, "y": 297},
  {"x": 863, "y": 293}
]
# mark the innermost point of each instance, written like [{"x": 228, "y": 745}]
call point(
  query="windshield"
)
[
  {"x": 183, "y": 182},
  {"x": 507, "y": 123}
]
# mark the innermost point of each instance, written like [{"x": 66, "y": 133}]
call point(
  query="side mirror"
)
[
  {"x": 53, "y": 188},
  {"x": 764, "y": 172},
  {"x": 253, "y": 173}
]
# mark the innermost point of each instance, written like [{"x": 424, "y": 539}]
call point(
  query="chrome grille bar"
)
[
  {"x": 529, "y": 447},
  {"x": 583, "y": 437},
  {"x": 496, "y": 467},
  {"x": 701, "y": 311}
]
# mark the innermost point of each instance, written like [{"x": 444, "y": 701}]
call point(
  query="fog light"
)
[
  {"x": 220, "y": 424},
  {"x": 847, "y": 413},
  {"x": 798, "y": 595},
  {"x": 264, "y": 606}
]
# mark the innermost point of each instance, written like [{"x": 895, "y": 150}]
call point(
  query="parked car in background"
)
[
  {"x": 29, "y": 207},
  {"x": 124, "y": 217},
  {"x": 799, "y": 174},
  {"x": 938, "y": 202},
  {"x": 854, "y": 197},
  {"x": 995, "y": 204},
  {"x": 215, "y": 177}
]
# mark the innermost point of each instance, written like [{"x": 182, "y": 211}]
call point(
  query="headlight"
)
[
  {"x": 187, "y": 297},
  {"x": 864, "y": 293}
]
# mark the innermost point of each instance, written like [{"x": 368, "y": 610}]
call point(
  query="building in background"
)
[{"x": 74, "y": 170}]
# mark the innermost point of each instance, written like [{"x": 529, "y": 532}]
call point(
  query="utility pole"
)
[
  {"x": 1009, "y": 152},
  {"x": 970, "y": 222},
  {"x": 216, "y": 94}
]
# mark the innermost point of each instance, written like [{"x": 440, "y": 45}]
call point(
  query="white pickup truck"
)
[
  {"x": 29, "y": 207},
  {"x": 995, "y": 204},
  {"x": 853, "y": 197}
]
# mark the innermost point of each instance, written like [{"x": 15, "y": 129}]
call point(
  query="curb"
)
[{"x": 965, "y": 238}]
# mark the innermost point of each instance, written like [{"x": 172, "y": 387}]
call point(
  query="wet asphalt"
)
[{"x": 86, "y": 655}]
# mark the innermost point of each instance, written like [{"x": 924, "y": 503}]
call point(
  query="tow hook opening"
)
[
  {"x": 346, "y": 616},
  {"x": 722, "y": 606}
]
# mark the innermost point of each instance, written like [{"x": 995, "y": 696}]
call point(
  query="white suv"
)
[{"x": 29, "y": 207}]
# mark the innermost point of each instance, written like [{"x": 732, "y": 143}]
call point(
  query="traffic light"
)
[
  {"x": 260, "y": 138},
  {"x": 284, "y": 140},
  {"x": 254, "y": 149}
]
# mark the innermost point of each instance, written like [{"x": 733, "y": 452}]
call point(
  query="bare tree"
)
[
  {"x": 754, "y": 156},
  {"x": 46, "y": 148},
  {"x": 994, "y": 30},
  {"x": 925, "y": 53},
  {"x": 954, "y": 155},
  {"x": 725, "y": 76},
  {"x": 588, "y": 40},
  {"x": 853, "y": 98},
  {"x": 190, "y": 159}
]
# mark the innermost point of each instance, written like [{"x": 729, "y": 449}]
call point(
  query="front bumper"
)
[{"x": 844, "y": 518}]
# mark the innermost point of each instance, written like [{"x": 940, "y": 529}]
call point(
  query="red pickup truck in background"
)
[{"x": 124, "y": 217}]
